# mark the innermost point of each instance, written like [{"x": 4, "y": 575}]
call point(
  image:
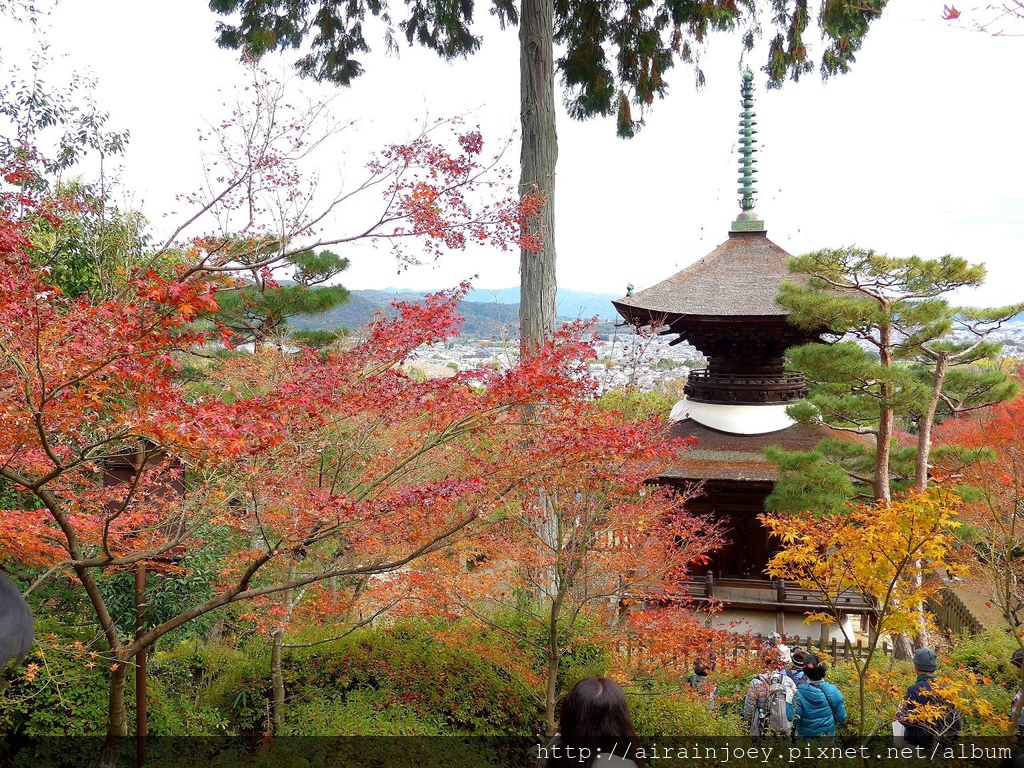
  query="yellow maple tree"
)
[{"x": 892, "y": 554}]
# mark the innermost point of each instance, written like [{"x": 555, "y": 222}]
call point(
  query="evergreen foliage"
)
[
  {"x": 615, "y": 55},
  {"x": 253, "y": 311},
  {"x": 893, "y": 368}
]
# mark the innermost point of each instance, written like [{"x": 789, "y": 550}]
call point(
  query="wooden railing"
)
[
  {"x": 952, "y": 615},
  {"x": 834, "y": 649},
  {"x": 772, "y": 595}
]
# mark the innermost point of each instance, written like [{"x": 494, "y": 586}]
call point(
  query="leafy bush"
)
[
  {"x": 430, "y": 682},
  {"x": 382, "y": 681},
  {"x": 679, "y": 712},
  {"x": 988, "y": 655},
  {"x": 366, "y": 712},
  {"x": 61, "y": 693}
]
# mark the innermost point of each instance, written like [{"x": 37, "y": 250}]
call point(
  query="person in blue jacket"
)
[{"x": 819, "y": 705}]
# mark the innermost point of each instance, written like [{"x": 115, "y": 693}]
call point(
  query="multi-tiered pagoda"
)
[{"x": 724, "y": 305}]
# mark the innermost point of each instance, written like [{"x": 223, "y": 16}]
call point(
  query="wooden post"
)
[
  {"x": 141, "y": 726},
  {"x": 709, "y": 584}
]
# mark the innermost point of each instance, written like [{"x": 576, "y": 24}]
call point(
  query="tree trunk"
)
[
  {"x": 117, "y": 718},
  {"x": 539, "y": 155},
  {"x": 550, "y": 695},
  {"x": 886, "y": 419},
  {"x": 277, "y": 679},
  {"x": 883, "y": 448},
  {"x": 902, "y": 648},
  {"x": 924, "y": 449},
  {"x": 277, "y": 647},
  {"x": 924, "y": 432}
]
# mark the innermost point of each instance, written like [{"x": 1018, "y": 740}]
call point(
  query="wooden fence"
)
[
  {"x": 952, "y": 615},
  {"x": 834, "y": 649}
]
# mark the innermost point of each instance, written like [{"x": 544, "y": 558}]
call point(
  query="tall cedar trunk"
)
[
  {"x": 117, "y": 718},
  {"x": 537, "y": 170},
  {"x": 537, "y": 282}
]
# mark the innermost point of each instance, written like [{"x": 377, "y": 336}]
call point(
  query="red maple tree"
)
[{"x": 297, "y": 467}]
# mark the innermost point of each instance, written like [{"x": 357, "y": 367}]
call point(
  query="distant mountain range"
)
[{"x": 489, "y": 314}]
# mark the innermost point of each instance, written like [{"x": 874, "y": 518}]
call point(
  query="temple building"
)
[{"x": 724, "y": 305}]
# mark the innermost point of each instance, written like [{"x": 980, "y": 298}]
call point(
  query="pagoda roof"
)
[
  {"x": 724, "y": 456},
  {"x": 739, "y": 279}
]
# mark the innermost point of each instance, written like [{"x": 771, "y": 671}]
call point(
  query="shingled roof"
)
[
  {"x": 723, "y": 456},
  {"x": 740, "y": 278}
]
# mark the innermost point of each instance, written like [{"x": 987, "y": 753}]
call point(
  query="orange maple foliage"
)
[
  {"x": 585, "y": 540},
  {"x": 300, "y": 467},
  {"x": 890, "y": 554},
  {"x": 983, "y": 453}
]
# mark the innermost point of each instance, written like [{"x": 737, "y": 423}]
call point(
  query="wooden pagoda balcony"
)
[{"x": 763, "y": 595}]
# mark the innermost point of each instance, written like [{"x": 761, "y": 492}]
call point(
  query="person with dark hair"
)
[
  {"x": 594, "y": 729},
  {"x": 702, "y": 669},
  {"x": 704, "y": 666},
  {"x": 944, "y": 723},
  {"x": 819, "y": 705}
]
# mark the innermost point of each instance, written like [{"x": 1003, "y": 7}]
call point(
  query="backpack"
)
[
  {"x": 771, "y": 718},
  {"x": 778, "y": 719}
]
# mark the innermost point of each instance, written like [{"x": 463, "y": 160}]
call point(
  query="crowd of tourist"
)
[{"x": 789, "y": 700}]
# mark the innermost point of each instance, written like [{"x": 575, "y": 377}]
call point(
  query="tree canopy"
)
[
  {"x": 616, "y": 55},
  {"x": 900, "y": 349}
]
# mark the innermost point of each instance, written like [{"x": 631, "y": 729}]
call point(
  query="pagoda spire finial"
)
[{"x": 747, "y": 221}]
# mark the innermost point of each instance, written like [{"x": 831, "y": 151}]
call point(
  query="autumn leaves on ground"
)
[{"x": 298, "y": 538}]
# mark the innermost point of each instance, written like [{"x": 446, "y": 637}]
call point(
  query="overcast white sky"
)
[{"x": 917, "y": 151}]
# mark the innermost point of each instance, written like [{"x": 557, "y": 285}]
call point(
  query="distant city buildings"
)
[{"x": 625, "y": 359}]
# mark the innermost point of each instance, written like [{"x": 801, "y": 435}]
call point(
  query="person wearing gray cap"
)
[{"x": 943, "y": 724}]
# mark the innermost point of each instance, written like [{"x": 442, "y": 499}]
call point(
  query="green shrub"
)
[
  {"x": 396, "y": 680},
  {"x": 435, "y": 683},
  {"x": 366, "y": 712},
  {"x": 65, "y": 693},
  {"x": 988, "y": 654},
  {"x": 205, "y": 690},
  {"x": 678, "y": 712}
]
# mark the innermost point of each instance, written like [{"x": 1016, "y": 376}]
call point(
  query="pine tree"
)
[
  {"x": 260, "y": 305},
  {"x": 895, "y": 362}
]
